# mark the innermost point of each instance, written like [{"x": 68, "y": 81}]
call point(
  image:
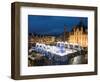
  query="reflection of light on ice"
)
[
  {"x": 59, "y": 49},
  {"x": 58, "y": 53}
]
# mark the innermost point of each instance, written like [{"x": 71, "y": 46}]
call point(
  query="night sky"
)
[{"x": 52, "y": 24}]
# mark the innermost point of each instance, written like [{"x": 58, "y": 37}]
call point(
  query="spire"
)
[
  {"x": 64, "y": 38},
  {"x": 81, "y": 23}
]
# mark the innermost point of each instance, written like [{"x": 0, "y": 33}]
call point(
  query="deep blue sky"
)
[{"x": 52, "y": 24}]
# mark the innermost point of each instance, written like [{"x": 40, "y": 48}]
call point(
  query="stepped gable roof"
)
[{"x": 79, "y": 26}]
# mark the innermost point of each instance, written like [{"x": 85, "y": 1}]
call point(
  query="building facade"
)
[
  {"x": 79, "y": 35},
  {"x": 41, "y": 39}
]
